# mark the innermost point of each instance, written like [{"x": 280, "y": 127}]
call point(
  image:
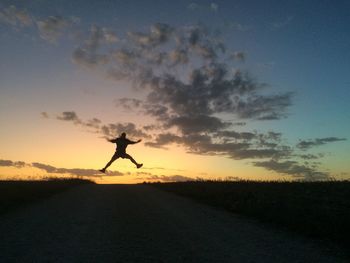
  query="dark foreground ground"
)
[
  {"x": 139, "y": 223},
  {"x": 320, "y": 210},
  {"x": 16, "y": 194}
]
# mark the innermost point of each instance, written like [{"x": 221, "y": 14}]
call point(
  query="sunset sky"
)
[{"x": 225, "y": 89}]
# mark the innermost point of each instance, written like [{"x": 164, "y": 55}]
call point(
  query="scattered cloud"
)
[
  {"x": 9, "y": 163},
  {"x": 293, "y": 168},
  {"x": 107, "y": 130},
  {"x": 53, "y": 27},
  {"x": 15, "y": 17},
  {"x": 189, "y": 110},
  {"x": 307, "y": 144},
  {"x": 54, "y": 170},
  {"x": 69, "y": 116},
  {"x": 238, "y": 56},
  {"x": 49, "y": 28},
  {"x": 73, "y": 171}
]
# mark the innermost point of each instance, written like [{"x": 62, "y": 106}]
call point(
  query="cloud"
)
[
  {"x": 72, "y": 171},
  {"x": 107, "y": 130},
  {"x": 294, "y": 169},
  {"x": 9, "y": 163},
  {"x": 15, "y": 17},
  {"x": 113, "y": 130},
  {"x": 196, "y": 124},
  {"x": 159, "y": 34},
  {"x": 192, "y": 93},
  {"x": 52, "y": 27},
  {"x": 238, "y": 56},
  {"x": 54, "y": 170},
  {"x": 69, "y": 116},
  {"x": 87, "y": 54},
  {"x": 45, "y": 115},
  {"x": 307, "y": 144}
]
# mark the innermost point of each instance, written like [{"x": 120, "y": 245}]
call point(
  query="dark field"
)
[
  {"x": 14, "y": 194},
  {"x": 317, "y": 209}
]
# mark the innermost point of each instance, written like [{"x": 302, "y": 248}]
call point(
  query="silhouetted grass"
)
[
  {"x": 317, "y": 209},
  {"x": 14, "y": 194}
]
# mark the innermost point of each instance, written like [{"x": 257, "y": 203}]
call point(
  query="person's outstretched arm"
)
[
  {"x": 112, "y": 140},
  {"x": 132, "y": 142}
]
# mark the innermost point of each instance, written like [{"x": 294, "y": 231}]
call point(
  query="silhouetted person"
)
[{"x": 122, "y": 142}]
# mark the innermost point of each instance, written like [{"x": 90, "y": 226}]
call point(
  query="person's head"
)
[{"x": 123, "y": 135}]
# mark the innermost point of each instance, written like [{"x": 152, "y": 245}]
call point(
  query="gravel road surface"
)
[{"x": 138, "y": 223}]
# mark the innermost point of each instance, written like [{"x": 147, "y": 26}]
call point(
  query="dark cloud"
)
[
  {"x": 129, "y": 104},
  {"x": 9, "y": 163},
  {"x": 51, "y": 169},
  {"x": 72, "y": 171},
  {"x": 307, "y": 144},
  {"x": 113, "y": 130},
  {"x": 69, "y": 116},
  {"x": 107, "y": 130},
  {"x": 87, "y": 55},
  {"x": 164, "y": 139},
  {"x": 311, "y": 156},
  {"x": 192, "y": 93},
  {"x": 196, "y": 124},
  {"x": 45, "y": 115},
  {"x": 293, "y": 168}
]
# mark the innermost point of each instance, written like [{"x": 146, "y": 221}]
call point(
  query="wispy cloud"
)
[
  {"x": 15, "y": 17},
  {"x": 50, "y": 28},
  {"x": 53, "y": 27},
  {"x": 9, "y": 163},
  {"x": 307, "y": 144},
  {"x": 293, "y": 168},
  {"x": 80, "y": 172},
  {"x": 54, "y": 170}
]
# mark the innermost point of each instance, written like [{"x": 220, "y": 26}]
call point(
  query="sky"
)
[{"x": 252, "y": 90}]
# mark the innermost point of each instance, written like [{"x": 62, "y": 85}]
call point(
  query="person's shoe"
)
[
  {"x": 139, "y": 165},
  {"x": 103, "y": 171}
]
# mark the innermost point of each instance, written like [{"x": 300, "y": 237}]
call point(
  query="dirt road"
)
[{"x": 137, "y": 223}]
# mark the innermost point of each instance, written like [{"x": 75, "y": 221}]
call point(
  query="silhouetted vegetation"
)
[
  {"x": 317, "y": 209},
  {"x": 14, "y": 194}
]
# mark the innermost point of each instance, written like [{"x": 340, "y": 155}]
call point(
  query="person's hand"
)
[{"x": 139, "y": 140}]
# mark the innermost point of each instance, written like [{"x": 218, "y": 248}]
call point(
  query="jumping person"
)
[{"x": 122, "y": 142}]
